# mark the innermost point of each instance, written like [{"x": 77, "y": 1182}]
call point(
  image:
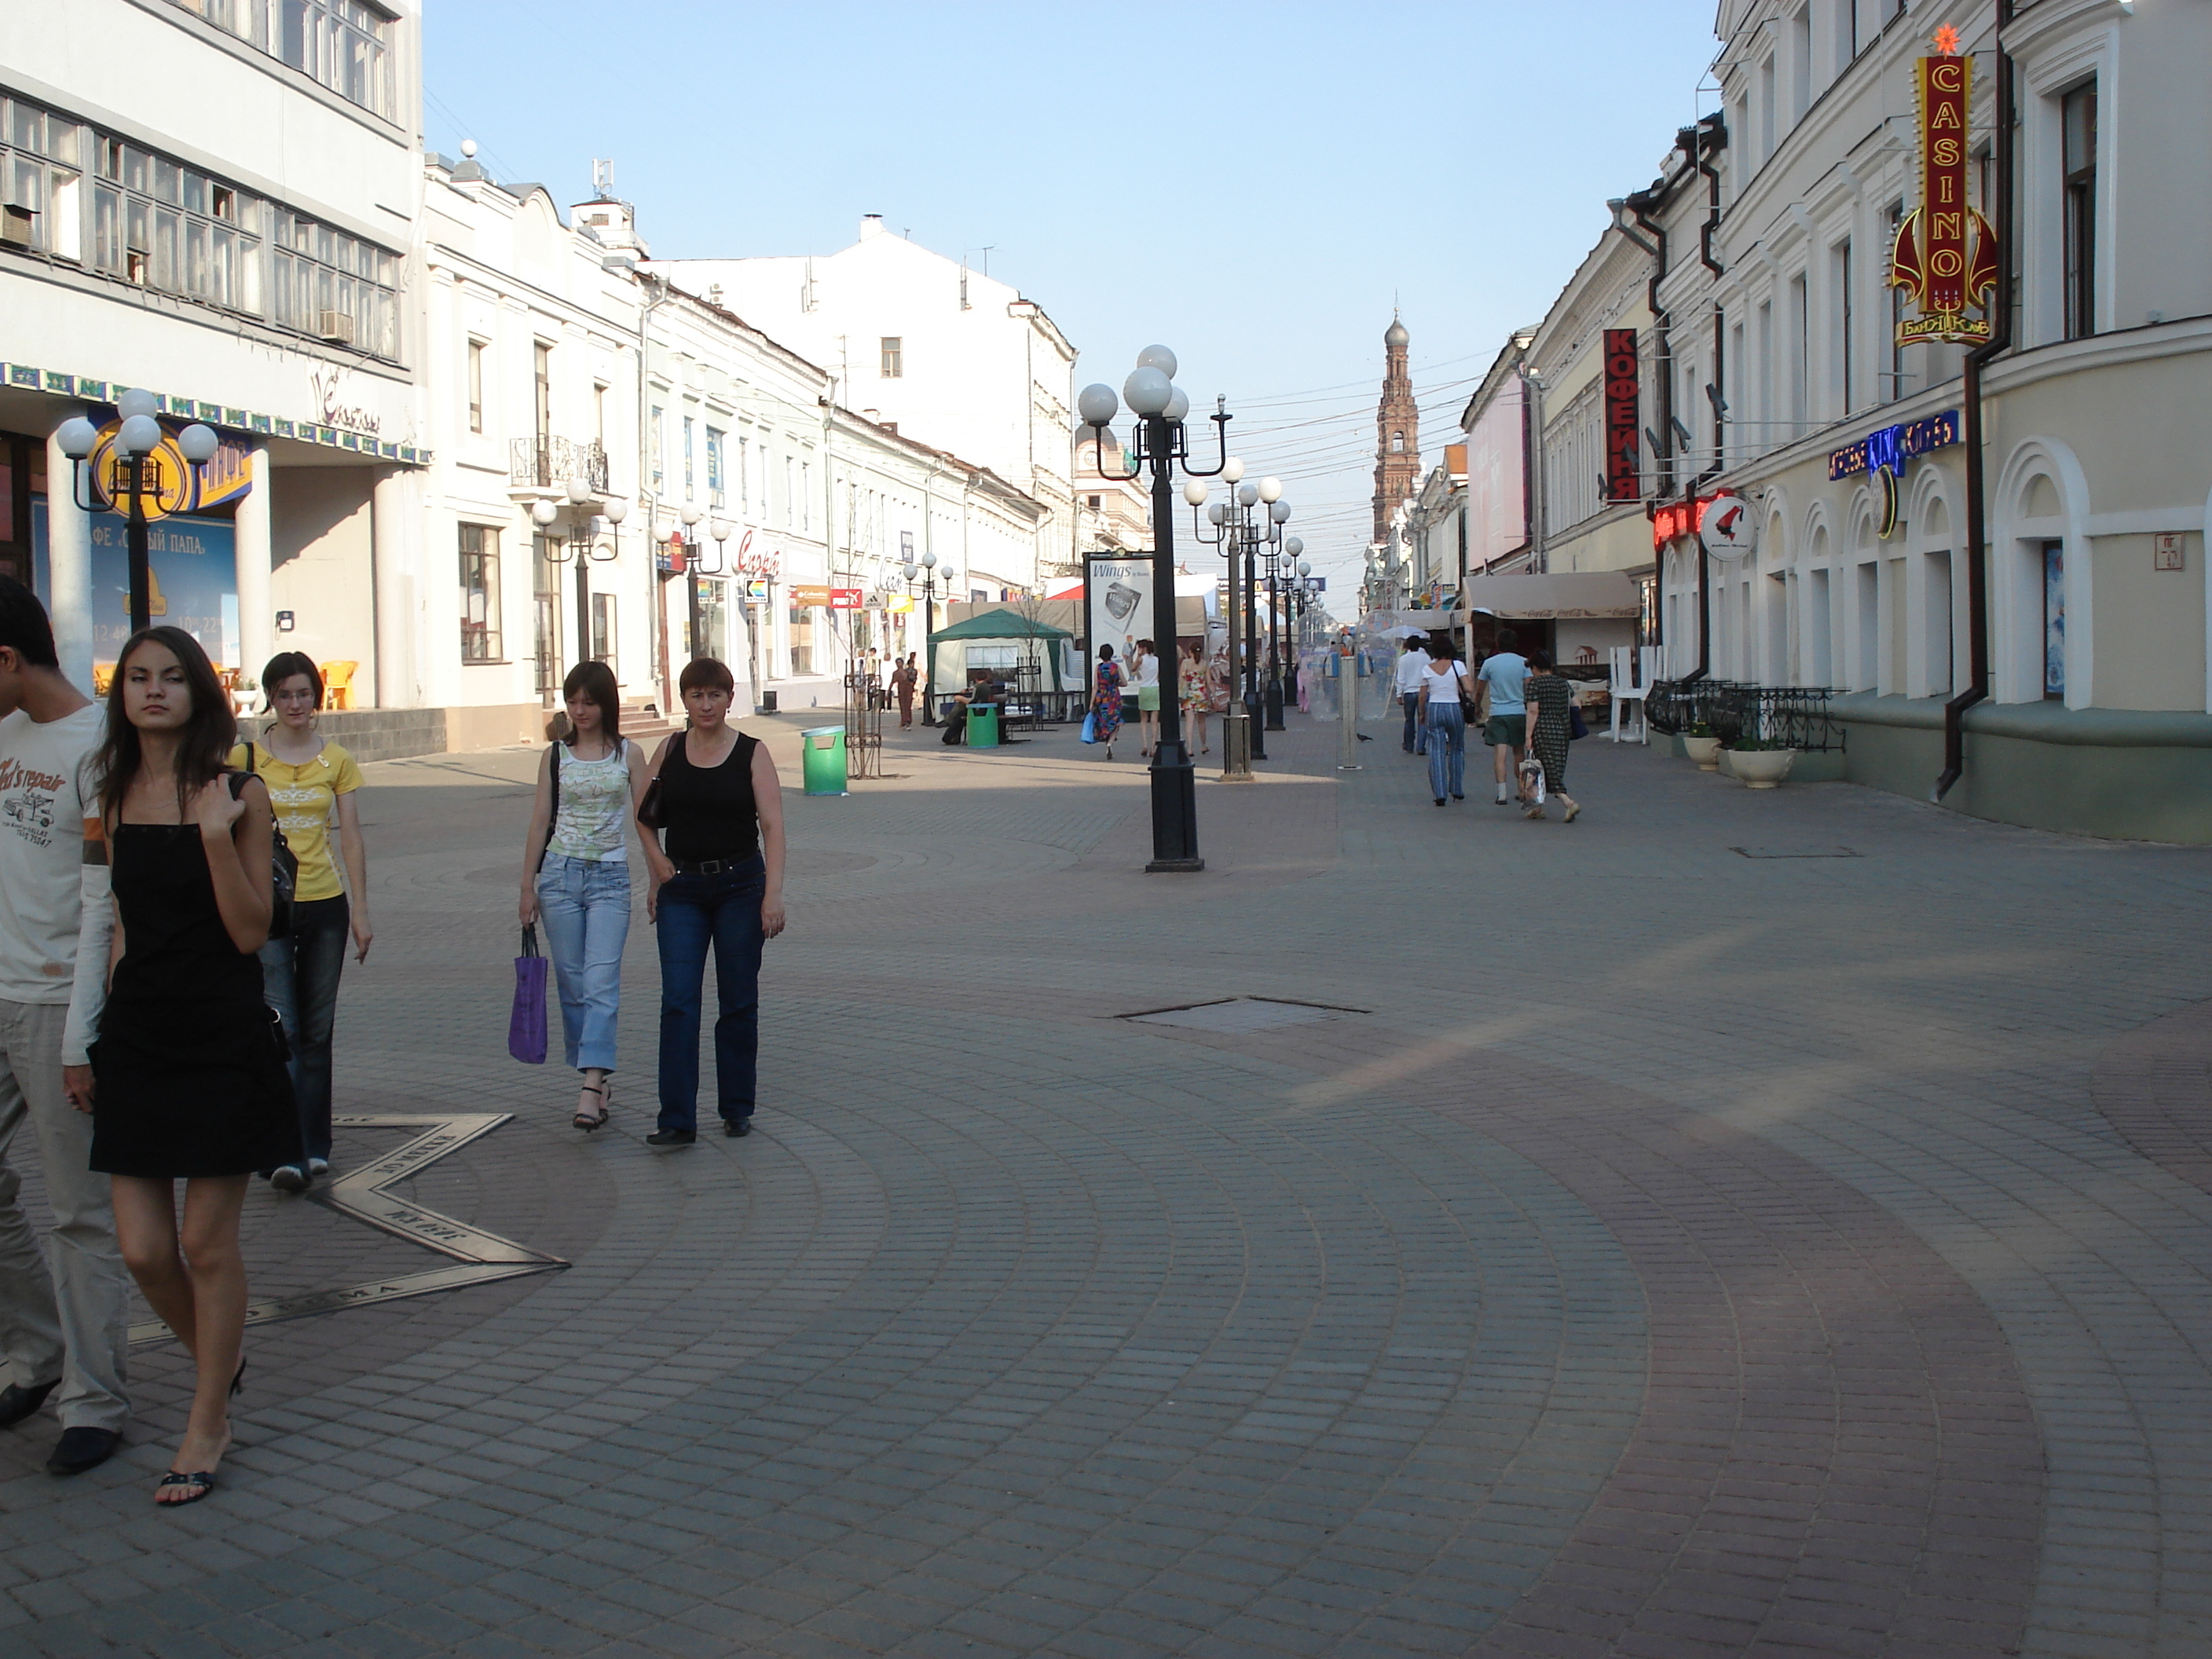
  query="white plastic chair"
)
[{"x": 1626, "y": 690}]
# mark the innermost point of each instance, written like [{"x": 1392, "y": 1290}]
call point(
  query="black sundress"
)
[
  {"x": 190, "y": 1065},
  {"x": 1552, "y": 698}
]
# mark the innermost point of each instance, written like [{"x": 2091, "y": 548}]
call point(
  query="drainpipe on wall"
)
[
  {"x": 656, "y": 290},
  {"x": 1707, "y": 139},
  {"x": 1978, "y": 552},
  {"x": 1663, "y": 357}
]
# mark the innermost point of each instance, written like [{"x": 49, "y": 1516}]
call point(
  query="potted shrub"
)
[
  {"x": 1761, "y": 762},
  {"x": 1701, "y": 746}
]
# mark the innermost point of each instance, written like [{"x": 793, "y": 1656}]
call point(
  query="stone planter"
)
[
  {"x": 1761, "y": 769},
  {"x": 1706, "y": 752}
]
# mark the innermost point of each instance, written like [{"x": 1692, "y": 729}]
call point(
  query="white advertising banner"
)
[{"x": 1120, "y": 606}]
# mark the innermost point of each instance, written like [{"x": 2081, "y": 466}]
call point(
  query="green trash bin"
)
[
  {"x": 822, "y": 763},
  {"x": 983, "y": 726}
]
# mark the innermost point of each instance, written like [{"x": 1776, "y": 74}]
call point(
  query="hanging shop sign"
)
[
  {"x": 1946, "y": 255},
  {"x": 1728, "y": 528},
  {"x": 827, "y": 598},
  {"x": 1886, "y": 453},
  {"x": 1622, "y": 431}
]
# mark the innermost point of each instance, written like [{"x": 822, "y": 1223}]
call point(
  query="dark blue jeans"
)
[
  {"x": 724, "y": 911},
  {"x": 300, "y": 980},
  {"x": 1417, "y": 731}
]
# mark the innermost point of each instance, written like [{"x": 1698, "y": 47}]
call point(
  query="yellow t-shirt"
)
[{"x": 304, "y": 798}]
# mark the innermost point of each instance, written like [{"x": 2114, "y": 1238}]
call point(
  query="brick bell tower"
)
[{"x": 1397, "y": 432}]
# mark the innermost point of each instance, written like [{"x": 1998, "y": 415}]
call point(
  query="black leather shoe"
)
[
  {"x": 18, "y": 1403},
  {"x": 80, "y": 1450},
  {"x": 737, "y": 1129},
  {"x": 671, "y": 1136}
]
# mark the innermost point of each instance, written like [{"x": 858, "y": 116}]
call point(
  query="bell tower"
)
[{"x": 1397, "y": 432}]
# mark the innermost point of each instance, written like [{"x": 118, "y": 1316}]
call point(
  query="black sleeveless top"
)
[{"x": 707, "y": 811}]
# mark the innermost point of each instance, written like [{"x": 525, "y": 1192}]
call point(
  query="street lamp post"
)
[
  {"x": 928, "y": 571},
  {"x": 1284, "y": 584},
  {"x": 1238, "y": 529},
  {"x": 588, "y": 518},
  {"x": 141, "y": 474},
  {"x": 1158, "y": 440}
]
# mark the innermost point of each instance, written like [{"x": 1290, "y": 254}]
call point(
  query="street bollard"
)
[{"x": 1347, "y": 706}]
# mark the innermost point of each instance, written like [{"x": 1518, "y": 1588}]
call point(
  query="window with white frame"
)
[
  {"x": 480, "y": 628},
  {"x": 2077, "y": 120},
  {"x": 690, "y": 488},
  {"x": 715, "y": 494},
  {"x": 475, "y": 382},
  {"x": 343, "y": 45}
]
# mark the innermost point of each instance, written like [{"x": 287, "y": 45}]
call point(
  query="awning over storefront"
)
[{"x": 1560, "y": 595}]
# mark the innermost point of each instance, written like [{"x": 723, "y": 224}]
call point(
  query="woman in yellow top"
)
[{"x": 310, "y": 782}]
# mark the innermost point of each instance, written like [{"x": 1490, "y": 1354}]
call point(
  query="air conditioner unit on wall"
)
[{"x": 334, "y": 325}]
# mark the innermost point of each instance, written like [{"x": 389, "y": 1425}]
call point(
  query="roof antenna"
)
[{"x": 603, "y": 179}]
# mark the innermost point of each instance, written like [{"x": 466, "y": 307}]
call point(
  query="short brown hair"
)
[{"x": 706, "y": 671}]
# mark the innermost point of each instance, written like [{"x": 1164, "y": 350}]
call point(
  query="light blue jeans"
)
[
  {"x": 1447, "y": 747},
  {"x": 586, "y": 908}
]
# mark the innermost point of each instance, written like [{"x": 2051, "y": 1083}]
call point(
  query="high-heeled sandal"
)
[{"x": 606, "y": 1108}]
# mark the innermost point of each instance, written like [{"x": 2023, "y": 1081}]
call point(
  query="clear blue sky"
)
[{"x": 1251, "y": 184}]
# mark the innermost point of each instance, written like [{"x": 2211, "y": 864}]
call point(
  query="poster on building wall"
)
[
  {"x": 193, "y": 564},
  {"x": 1497, "y": 514},
  {"x": 1120, "y": 606},
  {"x": 1623, "y": 432}
]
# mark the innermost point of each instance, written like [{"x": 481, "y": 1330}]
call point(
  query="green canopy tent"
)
[{"x": 1005, "y": 642}]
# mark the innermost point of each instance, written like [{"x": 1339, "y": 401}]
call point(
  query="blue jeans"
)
[
  {"x": 585, "y": 904},
  {"x": 724, "y": 911},
  {"x": 300, "y": 980},
  {"x": 1447, "y": 748},
  {"x": 1417, "y": 735}
]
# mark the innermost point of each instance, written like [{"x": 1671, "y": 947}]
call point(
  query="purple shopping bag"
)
[{"x": 526, "y": 1027}]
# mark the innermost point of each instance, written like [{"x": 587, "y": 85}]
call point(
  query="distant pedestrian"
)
[
  {"x": 718, "y": 882},
  {"x": 310, "y": 782},
  {"x": 903, "y": 679},
  {"x": 1504, "y": 676},
  {"x": 1106, "y": 699},
  {"x": 189, "y": 1080},
  {"x": 1444, "y": 684},
  {"x": 575, "y": 874},
  {"x": 1550, "y": 720},
  {"x": 63, "y": 1330},
  {"x": 1411, "y": 661},
  {"x": 1145, "y": 670},
  {"x": 1192, "y": 691}
]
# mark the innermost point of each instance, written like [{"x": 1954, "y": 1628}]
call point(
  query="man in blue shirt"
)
[{"x": 1504, "y": 676}]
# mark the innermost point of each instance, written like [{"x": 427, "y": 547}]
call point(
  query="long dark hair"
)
[
  {"x": 596, "y": 681},
  {"x": 203, "y": 746}
]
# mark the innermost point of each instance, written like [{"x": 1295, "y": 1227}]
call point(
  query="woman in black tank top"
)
[{"x": 718, "y": 884}]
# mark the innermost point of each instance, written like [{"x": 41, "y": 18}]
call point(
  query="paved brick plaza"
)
[{"x": 1743, "y": 1254}]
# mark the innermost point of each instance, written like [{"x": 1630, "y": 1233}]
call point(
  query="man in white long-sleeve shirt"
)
[
  {"x": 63, "y": 1327},
  {"x": 1411, "y": 661}
]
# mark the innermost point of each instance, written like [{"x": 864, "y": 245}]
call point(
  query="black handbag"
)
[{"x": 284, "y": 862}]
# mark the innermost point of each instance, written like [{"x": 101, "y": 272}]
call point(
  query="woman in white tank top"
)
[{"x": 1443, "y": 683}]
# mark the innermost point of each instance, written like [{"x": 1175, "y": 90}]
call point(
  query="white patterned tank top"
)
[{"x": 595, "y": 801}]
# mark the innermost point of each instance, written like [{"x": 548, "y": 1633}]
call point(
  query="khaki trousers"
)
[{"x": 70, "y": 1322}]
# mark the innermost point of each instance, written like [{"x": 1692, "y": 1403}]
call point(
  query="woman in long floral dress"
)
[{"x": 1106, "y": 699}]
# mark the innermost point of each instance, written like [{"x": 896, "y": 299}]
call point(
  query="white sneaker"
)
[{"x": 318, "y": 1168}]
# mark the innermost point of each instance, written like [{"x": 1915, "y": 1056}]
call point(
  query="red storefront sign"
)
[
  {"x": 1946, "y": 253},
  {"x": 1622, "y": 437},
  {"x": 1678, "y": 518},
  {"x": 832, "y": 598}
]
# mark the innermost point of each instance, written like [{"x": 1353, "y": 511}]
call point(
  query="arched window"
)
[{"x": 1398, "y": 442}]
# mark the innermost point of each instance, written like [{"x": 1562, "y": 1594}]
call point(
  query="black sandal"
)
[
  {"x": 204, "y": 1480},
  {"x": 606, "y": 1110}
]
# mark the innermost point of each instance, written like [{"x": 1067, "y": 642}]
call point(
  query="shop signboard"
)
[
  {"x": 1946, "y": 254},
  {"x": 1497, "y": 514},
  {"x": 1886, "y": 453},
  {"x": 823, "y": 597},
  {"x": 1623, "y": 433}
]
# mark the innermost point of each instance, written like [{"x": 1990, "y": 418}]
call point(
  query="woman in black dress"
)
[
  {"x": 189, "y": 1078},
  {"x": 1551, "y": 717}
]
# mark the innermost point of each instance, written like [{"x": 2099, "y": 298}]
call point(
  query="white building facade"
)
[
  {"x": 259, "y": 284},
  {"x": 935, "y": 351}
]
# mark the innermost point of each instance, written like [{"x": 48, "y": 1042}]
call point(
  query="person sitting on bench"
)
[{"x": 983, "y": 692}]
